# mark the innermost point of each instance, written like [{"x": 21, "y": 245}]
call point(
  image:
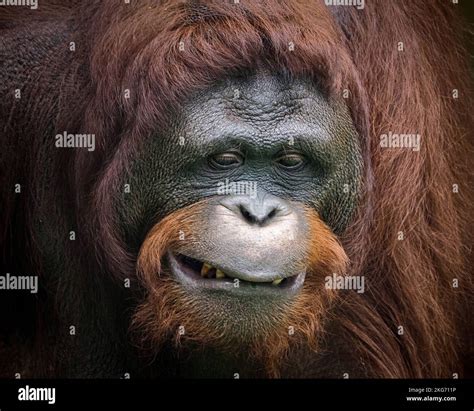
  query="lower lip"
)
[{"x": 191, "y": 279}]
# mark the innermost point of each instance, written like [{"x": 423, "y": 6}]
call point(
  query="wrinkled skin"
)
[
  {"x": 269, "y": 116},
  {"x": 259, "y": 237}
]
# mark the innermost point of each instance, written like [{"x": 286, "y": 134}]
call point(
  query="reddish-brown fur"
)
[
  {"x": 169, "y": 306},
  {"x": 409, "y": 281}
]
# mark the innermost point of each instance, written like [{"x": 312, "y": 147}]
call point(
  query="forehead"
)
[{"x": 263, "y": 109}]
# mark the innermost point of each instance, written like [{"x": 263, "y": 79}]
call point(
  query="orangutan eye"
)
[
  {"x": 226, "y": 160},
  {"x": 291, "y": 161}
]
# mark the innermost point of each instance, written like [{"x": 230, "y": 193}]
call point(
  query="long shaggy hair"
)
[{"x": 399, "y": 61}]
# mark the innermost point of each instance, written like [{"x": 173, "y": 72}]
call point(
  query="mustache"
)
[{"x": 169, "y": 313}]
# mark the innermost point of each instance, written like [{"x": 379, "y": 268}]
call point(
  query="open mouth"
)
[{"x": 206, "y": 275}]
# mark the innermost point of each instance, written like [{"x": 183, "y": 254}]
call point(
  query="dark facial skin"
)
[
  {"x": 297, "y": 149},
  {"x": 260, "y": 119}
]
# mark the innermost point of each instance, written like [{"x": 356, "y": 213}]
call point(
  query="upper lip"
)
[{"x": 198, "y": 273}]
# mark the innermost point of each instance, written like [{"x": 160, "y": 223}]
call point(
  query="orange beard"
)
[{"x": 171, "y": 312}]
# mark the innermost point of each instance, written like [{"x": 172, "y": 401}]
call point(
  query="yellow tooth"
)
[
  {"x": 220, "y": 274},
  {"x": 277, "y": 281},
  {"x": 205, "y": 269}
]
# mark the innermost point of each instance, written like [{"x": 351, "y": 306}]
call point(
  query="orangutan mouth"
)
[{"x": 202, "y": 274}]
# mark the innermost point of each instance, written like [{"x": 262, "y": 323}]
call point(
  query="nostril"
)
[
  {"x": 272, "y": 213},
  {"x": 257, "y": 218},
  {"x": 249, "y": 217}
]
